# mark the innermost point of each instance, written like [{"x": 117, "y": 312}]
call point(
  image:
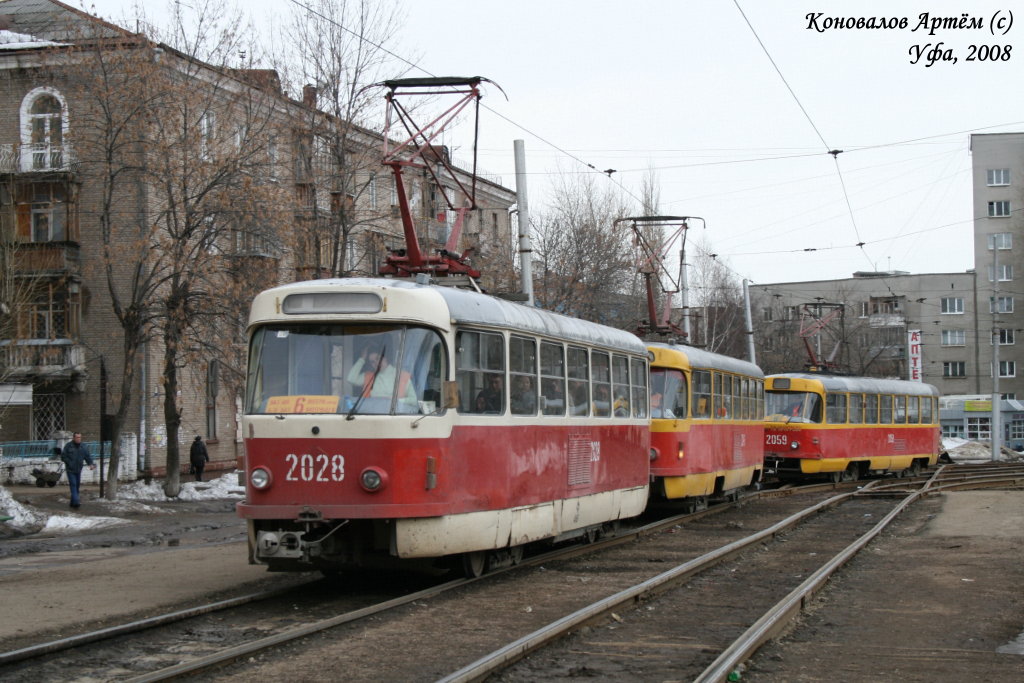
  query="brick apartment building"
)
[{"x": 79, "y": 232}]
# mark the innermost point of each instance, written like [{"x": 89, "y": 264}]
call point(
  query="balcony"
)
[
  {"x": 41, "y": 158},
  {"x": 42, "y": 359},
  {"x": 41, "y": 258},
  {"x": 886, "y": 320}
]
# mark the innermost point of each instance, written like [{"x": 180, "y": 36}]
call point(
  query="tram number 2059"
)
[
  {"x": 320, "y": 467},
  {"x": 775, "y": 439}
]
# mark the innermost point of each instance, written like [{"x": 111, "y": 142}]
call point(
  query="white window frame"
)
[
  {"x": 1007, "y": 336},
  {"x": 1005, "y": 272},
  {"x": 949, "y": 365},
  {"x": 49, "y": 156},
  {"x": 952, "y": 302},
  {"x": 1000, "y": 304},
  {"x": 954, "y": 338},
  {"x": 999, "y": 209},
  {"x": 979, "y": 428},
  {"x": 1002, "y": 240},
  {"x": 1007, "y": 368},
  {"x": 997, "y": 177}
]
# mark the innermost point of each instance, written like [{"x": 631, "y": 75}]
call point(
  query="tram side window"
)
[
  {"x": 600, "y": 365},
  {"x": 701, "y": 393},
  {"x": 871, "y": 409},
  {"x": 522, "y": 367},
  {"x": 579, "y": 381},
  {"x": 638, "y": 384},
  {"x": 737, "y": 399},
  {"x": 480, "y": 372},
  {"x": 913, "y": 411},
  {"x": 760, "y": 400},
  {"x": 856, "y": 408},
  {"x": 835, "y": 408},
  {"x": 723, "y": 395},
  {"x": 620, "y": 386},
  {"x": 900, "y": 410},
  {"x": 926, "y": 410},
  {"x": 552, "y": 378},
  {"x": 886, "y": 404}
]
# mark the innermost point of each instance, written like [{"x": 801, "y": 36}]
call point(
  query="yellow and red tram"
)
[
  {"x": 844, "y": 428},
  {"x": 707, "y": 424}
]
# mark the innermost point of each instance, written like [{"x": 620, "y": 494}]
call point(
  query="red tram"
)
[
  {"x": 844, "y": 428},
  {"x": 707, "y": 424},
  {"x": 386, "y": 419}
]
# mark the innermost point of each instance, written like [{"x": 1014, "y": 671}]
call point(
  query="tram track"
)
[
  {"x": 21, "y": 661},
  {"x": 575, "y": 561}
]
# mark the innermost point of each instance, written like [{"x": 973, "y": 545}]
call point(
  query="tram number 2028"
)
[{"x": 320, "y": 467}]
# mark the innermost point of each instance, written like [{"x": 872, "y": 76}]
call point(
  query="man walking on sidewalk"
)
[{"x": 75, "y": 455}]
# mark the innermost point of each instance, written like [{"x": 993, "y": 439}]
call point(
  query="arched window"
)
[{"x": 43, "y": 125}]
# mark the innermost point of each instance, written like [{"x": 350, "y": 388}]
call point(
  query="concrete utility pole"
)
[
  {"x": 997, "y": 429},
  {"x": 751, "y": 354},
  {"x": 525, "y": 246}
]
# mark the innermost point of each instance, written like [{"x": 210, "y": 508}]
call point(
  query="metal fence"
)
[{"x": 46, "y": 449}]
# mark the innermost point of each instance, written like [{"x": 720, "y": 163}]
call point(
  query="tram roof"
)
[
  {"x": 468, "y": 307},
  {"x": 701, "y": 358},
  {"x": 865, "y": 384}
]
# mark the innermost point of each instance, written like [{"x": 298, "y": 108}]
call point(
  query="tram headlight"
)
[
  {"x": 373, "y": 479},
  {"x": 793, "y": 445},
  {"x": 260, "y": 478}
]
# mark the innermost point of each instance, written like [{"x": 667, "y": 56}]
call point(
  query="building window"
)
[
  {"x": 998, "y": 176},
  {"x": 978, "y": 428},
  {"x": 43, "y": 212},
  {"x": 207, "y": 132},
  {"x": 1001, "y": 240},
  {"x": 954, "y": 337},
  {"x": 955, "y": 431},
  {"x": 1000, "y": 304},
  {"x": 48, "y": 415},
  {"x": 43, "y": 129},
  {"x": 1005, "y": 272},
  {"x": 766, "y": 314},
  {"x": 212, "y": 381},
  {"x": 954, "y": 368},
  {"x": 952, "y": 304},
  {"x": 865, "y": 308},
  {"x": 1000, "y": 209},
  {"x": 1017, "y": 430},
  {"x": 1006, "y": 337},
  {"x": 1007, "y": 368},
  {"x": 51, "y": 314}
]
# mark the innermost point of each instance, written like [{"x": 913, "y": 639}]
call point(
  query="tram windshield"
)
[
  {"x": 668, "y": 393},
  {"x": 345, "y": 369},
  {"x": 793, "y": 406}
]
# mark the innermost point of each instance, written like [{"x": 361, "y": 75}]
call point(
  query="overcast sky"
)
[{"x": 685, "y": 87}]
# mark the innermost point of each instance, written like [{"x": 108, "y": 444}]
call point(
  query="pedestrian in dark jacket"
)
[
  {"x": 75, "y": 456},
  {"x": 198, "y": 457}
]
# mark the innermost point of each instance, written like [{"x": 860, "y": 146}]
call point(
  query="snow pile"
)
[
  {"x": 222, "y": 488},
  {"x": 961, "y": 450},
  {"x": 26, "y": 520}
]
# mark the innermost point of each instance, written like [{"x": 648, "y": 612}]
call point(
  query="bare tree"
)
[
  {"x": 586, "y": 269},
  {"x": 717, "y": 294},
  {"x": 336, "y": 49}
]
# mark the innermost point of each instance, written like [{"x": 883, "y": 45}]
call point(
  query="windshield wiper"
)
[{"x": 367, "y": 386}]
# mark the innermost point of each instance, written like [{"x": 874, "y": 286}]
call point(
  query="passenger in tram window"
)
[
  {"x": 491, "y": 398},
  {"x": 621, "y": 406},
  {"x": 578, "y": 400},
  {"x": 524, "y": 397}
]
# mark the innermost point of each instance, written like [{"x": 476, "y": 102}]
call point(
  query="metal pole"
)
[
  {"x": 751, "y": 354},
  {"x": 997, "y": 431},
  {"x": 525, "y": 247},
  {"x": 684, "y": 291},
  {"x": 103, "y": 415}
]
